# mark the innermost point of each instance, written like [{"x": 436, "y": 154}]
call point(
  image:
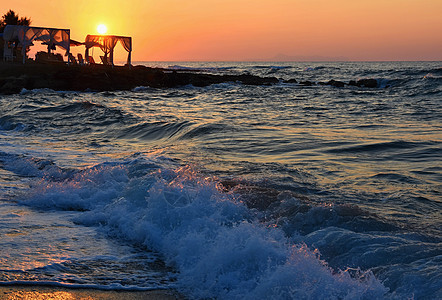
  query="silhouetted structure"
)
[
  {"x": 107, "y": 44},
  {"x": 26, "y": 35},
  {"x": 11, "y": 18}
]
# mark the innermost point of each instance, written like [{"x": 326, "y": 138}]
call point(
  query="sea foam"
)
[{"x": 211, "y": 238}]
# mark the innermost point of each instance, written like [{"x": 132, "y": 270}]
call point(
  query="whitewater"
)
[{"x": 230, "y": 191}]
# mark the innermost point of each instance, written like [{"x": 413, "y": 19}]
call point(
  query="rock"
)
[
  {"x": 369, "y": 83},
  {"x": 15, "y": 77},
  {"x": 255, "y": 80},
  {"x": 12, "y": 86},
  {"x": 352, "y": 82},
  {"x": 335, "y": 83}
]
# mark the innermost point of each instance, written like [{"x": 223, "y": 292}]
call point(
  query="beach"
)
[{"x": 46, "y": 292}]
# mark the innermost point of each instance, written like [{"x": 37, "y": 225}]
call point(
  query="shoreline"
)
[
  {"x": 14, "y": 77},
  {"x": 37, "y": 292}
]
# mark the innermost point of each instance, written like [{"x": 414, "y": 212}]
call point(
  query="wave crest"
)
[{"x": 218, "y": 246}]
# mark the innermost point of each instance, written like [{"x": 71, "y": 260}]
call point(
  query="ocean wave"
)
[
  {"x": 178, "y": 67},
  {"x": 273, "y": 67},
  {"x": 28, "y": 166},
  {"x": 309, "y": 69},
  {"x": 25, "y": 91},
  {"x": 7, "y": 123},
  {"x": 152, "y": 130},
  {"x": 386, "y": 254},
  {"x": 180, "y": 130},
  {"x": 216, "y": 244},
  {"x": 376, "y": 147},
  {"x": 72, "y": 107},
  {"x": 206, "y": 129},
  {"x": 74, "y": 116},
  {"x": 437, "y": 71},
  {"x": 44, "y": 91},
  {"x": 394, "y": 177},
  {"x": 350, "y": 187},
  {"x": 142, "y": 89},
  {"x": 435, "y": 76},
  {"x": 297, "y": 213}
]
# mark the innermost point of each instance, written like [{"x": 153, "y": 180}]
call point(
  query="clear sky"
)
[{"x": 231, "y": 30}]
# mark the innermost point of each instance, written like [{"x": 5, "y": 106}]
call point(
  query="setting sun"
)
[
  {"x": 267, "y": 30},
  {"x": 220, "y": 149},
  {"x": 102, "y": 29}
]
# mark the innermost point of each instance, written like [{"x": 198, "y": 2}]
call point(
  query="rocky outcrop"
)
[
  {"x": 336, "y": 83},
  {"x": 369, "y": 83},
  {"x": 15, "y": 77},
  {"x": 364, "y": 83}
]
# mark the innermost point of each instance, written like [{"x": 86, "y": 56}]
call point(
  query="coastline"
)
[
  {"x": 14, "y": 77},
  {"x": 37, "y": 292},
  {"x": 274, "y": 156}
]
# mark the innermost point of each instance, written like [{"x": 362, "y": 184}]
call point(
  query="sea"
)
[{"x": 230, "y": 191}]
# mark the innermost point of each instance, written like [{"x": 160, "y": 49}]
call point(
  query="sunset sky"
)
[{"x": 232, "y": 30}]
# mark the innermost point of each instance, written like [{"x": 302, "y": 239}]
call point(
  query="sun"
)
[{"x": 102, "y": 29}]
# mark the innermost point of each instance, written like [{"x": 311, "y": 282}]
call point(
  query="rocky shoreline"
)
[{"x": 16, "y": 77}]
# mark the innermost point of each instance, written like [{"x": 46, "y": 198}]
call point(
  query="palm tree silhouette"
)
[{"x": 11, "y": 18}]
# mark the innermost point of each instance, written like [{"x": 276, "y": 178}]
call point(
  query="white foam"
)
[
  {"x": 212, "y": 239},
  {"x": 431, "y": 76},
  {"x": 141, "y": 89},
  {"x": 25, "y": 91}
]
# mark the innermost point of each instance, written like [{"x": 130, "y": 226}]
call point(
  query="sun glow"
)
[{"x": 102, "y": 29}]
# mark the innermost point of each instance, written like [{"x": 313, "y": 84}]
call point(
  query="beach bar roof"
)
[
  {"x": 107, "y": 44},
  {"x": 27, "y": 34}
]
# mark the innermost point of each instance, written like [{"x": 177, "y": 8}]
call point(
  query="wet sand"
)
[{"x": 28, "y": 292}]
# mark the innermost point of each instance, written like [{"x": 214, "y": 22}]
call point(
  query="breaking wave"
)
[{"x": 218, "y": 246}]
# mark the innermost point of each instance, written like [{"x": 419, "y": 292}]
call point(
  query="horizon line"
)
[{"x": 261, "y": 60}]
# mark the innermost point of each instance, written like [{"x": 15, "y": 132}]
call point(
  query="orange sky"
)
[{"x": 231, "y": 30}]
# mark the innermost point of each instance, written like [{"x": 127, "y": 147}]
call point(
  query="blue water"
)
[{"x": 230, "y": 191}]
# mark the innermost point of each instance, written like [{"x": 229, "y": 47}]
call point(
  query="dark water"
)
[{"x": 230, "y": 191}]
